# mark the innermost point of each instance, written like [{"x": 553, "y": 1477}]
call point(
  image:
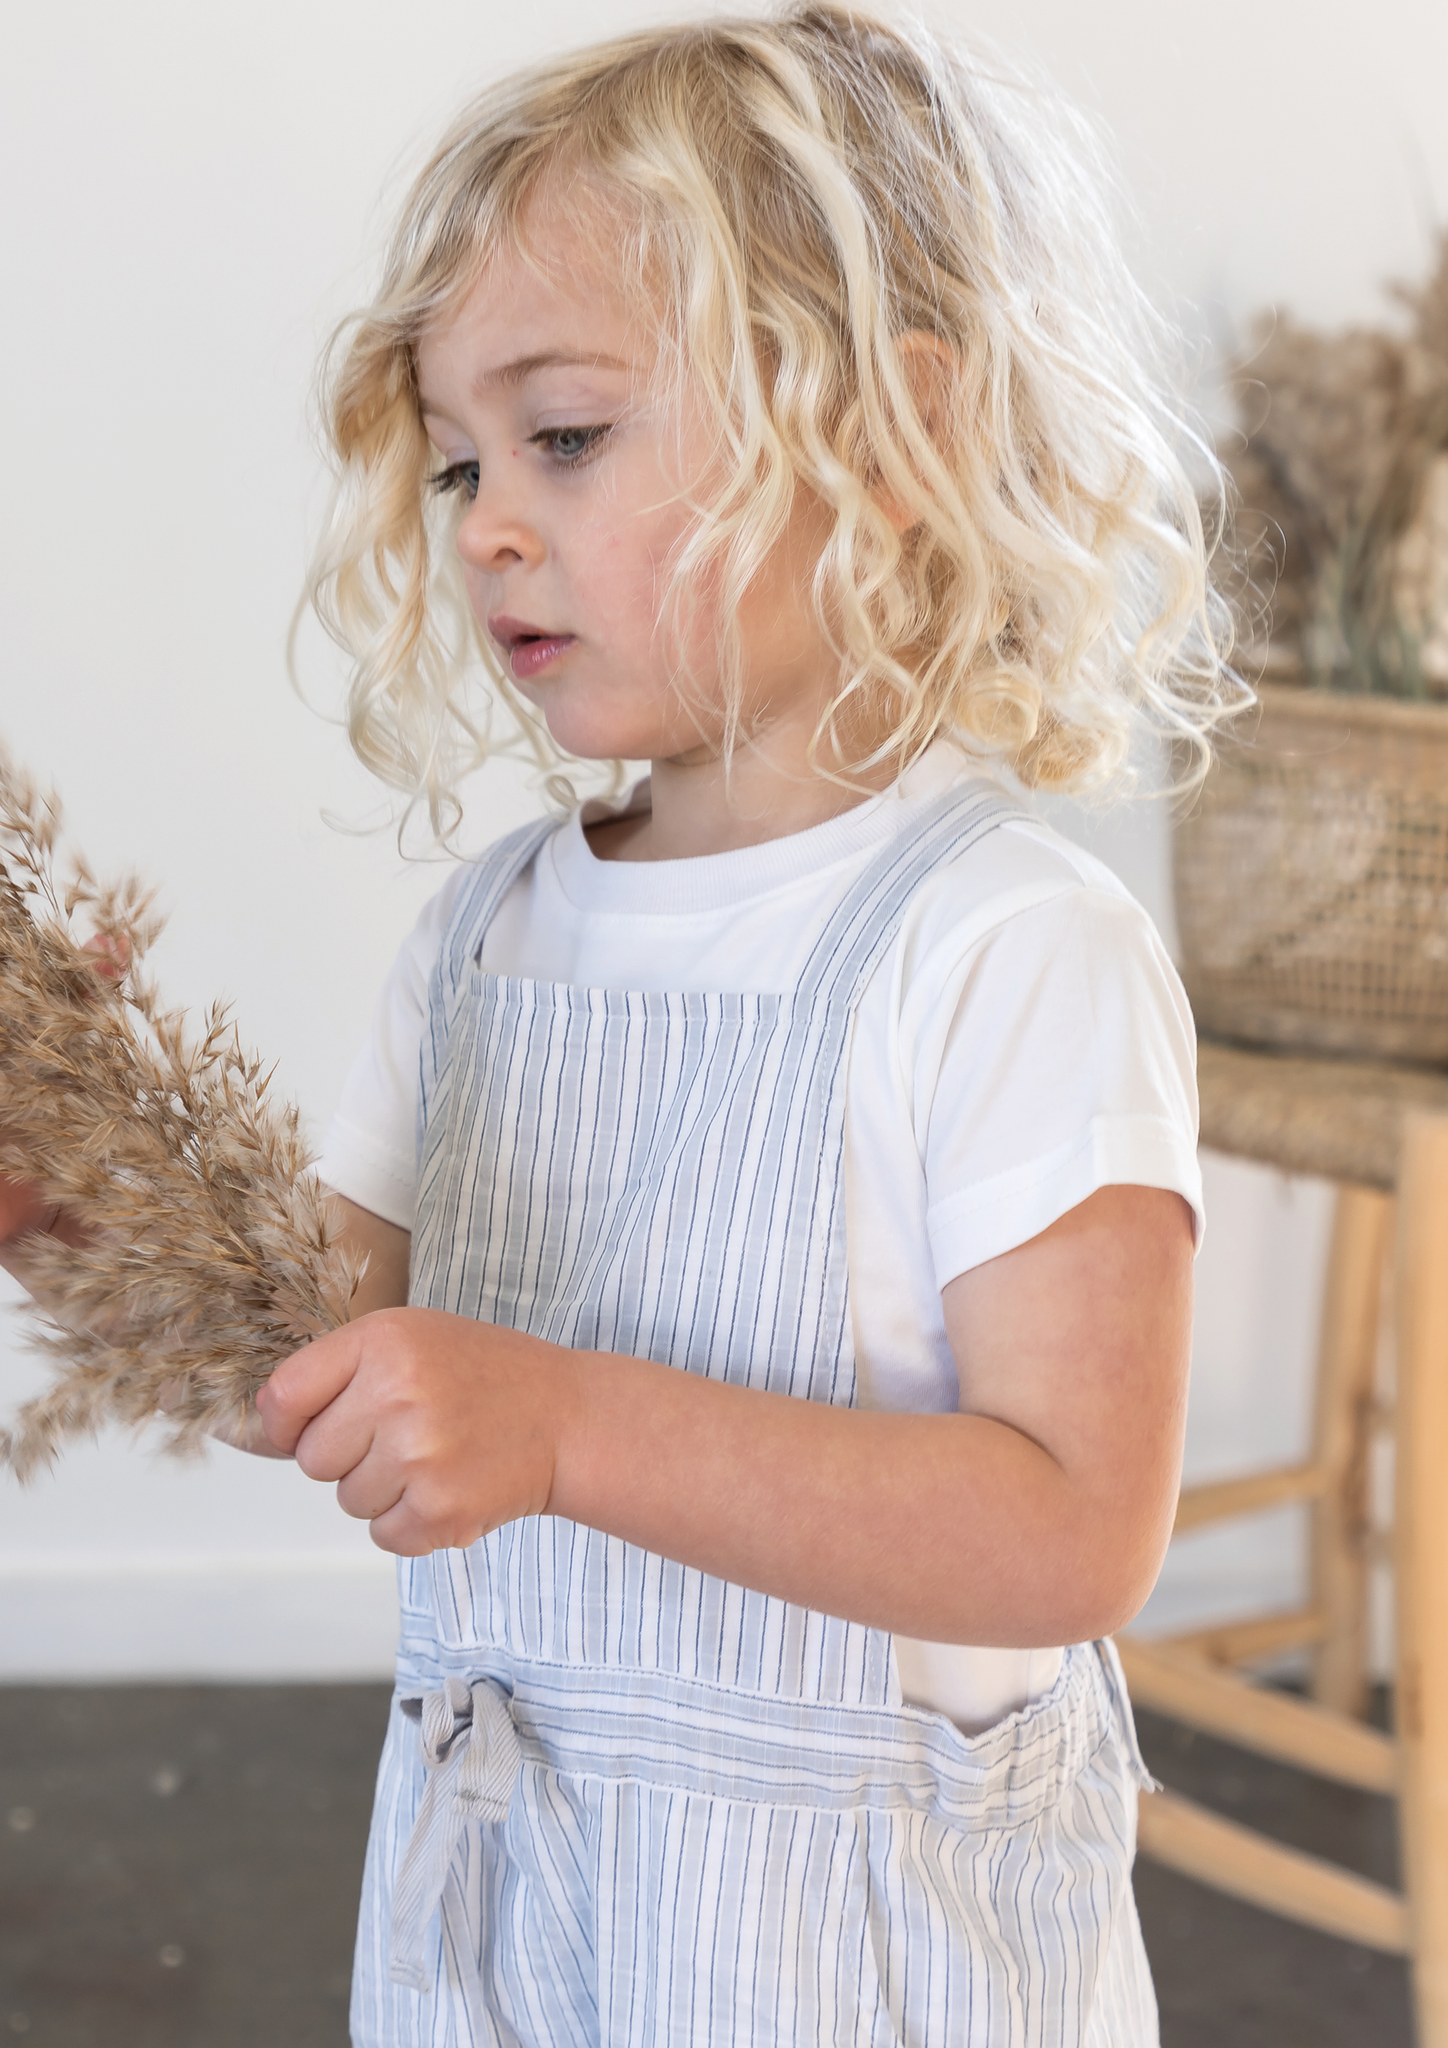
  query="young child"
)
[{"x": 790, "y": 1172}]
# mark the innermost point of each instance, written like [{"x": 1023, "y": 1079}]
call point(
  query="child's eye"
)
[
  {"x": 458, "y": 476},
  {"x": 568, "y": 444}
]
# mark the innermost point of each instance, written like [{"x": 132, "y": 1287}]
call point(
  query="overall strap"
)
[
  {"x": 478, "y": 900},
  {"x": 863, "y": 924},
  {"x": 474, "y": 911},
  {"x": 853, "y": 938}
]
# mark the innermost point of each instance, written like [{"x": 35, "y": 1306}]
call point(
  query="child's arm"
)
[
  {"x": 24, "y": 1212},
  {"x": 387, "y": 1251},
  {"x": 1036, "y": 1516}
]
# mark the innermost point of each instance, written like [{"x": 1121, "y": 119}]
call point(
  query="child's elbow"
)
[
  {"x": 1114, "y": 1608},
  {"x": 1116, "y": 1579}
]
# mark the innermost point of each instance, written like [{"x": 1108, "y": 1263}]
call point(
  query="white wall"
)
[{"x": 191, "y": 197}]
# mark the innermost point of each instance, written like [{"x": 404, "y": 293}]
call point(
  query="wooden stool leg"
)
[
  {"x": 1421, "y": 1559},
  {"x": 1346, "y": 1361}
]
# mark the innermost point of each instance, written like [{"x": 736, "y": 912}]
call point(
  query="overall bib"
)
[{"x": 622, "y": 1802}]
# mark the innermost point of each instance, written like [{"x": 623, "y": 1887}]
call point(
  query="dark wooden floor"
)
[
  {"x": 1228, "y": 1976},
  {"x": 179, "y": 1868}
]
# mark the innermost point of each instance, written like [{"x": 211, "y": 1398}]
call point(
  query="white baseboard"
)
[{"x": 83, "y": 1619}]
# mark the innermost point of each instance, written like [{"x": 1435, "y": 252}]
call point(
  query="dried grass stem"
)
[{"x": 202, "y": 1245}]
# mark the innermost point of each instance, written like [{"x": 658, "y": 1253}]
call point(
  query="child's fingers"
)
[
  {"x": 306, "y": 1383},
  {"x": 113, "y": 955},
  {"x": 370, "y": 1488},
  {"x": 335, "y": 1443},
  {"x": 402, "y": 1532},
  {"x": 248, "y": 1435}
]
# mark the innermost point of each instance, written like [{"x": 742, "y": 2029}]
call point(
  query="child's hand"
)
[
  {"x": 246, "y": 1434},
  {"x": 22, "y": 1210},
  {"x": 436, "y": 1427}
]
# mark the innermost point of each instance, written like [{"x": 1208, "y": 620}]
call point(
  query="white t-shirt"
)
[{"x": 1023, "y": 1042}]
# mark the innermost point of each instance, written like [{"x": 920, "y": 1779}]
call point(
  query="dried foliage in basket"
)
[
  {"x": 1343, "y": 477},
  {"x": 206, "y": 1250}
]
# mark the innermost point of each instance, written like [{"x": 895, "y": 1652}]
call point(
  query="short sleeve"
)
[
  {"x": 369, "y": 1150},
  {"x": 1055, "y": 1055}
]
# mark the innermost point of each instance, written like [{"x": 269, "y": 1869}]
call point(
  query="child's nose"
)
[{"x": 494, "y": 537}]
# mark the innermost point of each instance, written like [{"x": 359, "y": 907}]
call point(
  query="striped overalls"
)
[{"x": 622, "y": 1802}]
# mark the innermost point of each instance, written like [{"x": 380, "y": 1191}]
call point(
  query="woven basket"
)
[{"x": 1312, "y": 880}]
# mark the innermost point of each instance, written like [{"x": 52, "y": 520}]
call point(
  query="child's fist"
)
[{"x": 436, "y": 1428}]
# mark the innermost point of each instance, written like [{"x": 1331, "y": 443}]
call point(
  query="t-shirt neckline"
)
[{"x": 715, "y": 881}]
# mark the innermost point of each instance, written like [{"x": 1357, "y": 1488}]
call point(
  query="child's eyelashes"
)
[
  {"x": 458, "y": 476},
  {"x": 569, "y": 446}
]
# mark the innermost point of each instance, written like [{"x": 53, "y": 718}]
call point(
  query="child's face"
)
[{"x": 544, "y": 398}]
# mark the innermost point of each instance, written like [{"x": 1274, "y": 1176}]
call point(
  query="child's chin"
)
[
  {"x": 595, "y": 739},
  {"x": 591, "y": 745}
]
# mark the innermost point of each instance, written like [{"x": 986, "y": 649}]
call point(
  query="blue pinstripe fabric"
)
[{"x": 726, "y": 1828}]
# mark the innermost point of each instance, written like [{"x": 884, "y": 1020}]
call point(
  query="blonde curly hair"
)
[{"x": 801, "y": 193}]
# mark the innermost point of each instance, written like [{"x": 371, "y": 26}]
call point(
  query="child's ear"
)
[{"x": 931, "y": 369}]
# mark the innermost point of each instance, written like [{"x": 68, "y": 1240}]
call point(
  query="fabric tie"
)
[{"x": 470, "y": 1748}]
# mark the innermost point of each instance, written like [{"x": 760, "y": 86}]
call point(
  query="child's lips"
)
[
  {"x": 528, "y": 649},
  {"x": 526, "y": 658}
]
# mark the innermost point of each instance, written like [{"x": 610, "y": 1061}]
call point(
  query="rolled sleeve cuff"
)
[
  {"x": 369, "y": 1174},
  {"x": 996, "y": 1215}
]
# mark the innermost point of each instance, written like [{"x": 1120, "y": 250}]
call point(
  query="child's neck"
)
[{"x": 698, "y": 809}]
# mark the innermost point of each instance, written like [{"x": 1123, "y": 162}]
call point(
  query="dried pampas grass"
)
[
  {"x": 1342, "y": 477},
  {"x": 203, "y": 1248}
]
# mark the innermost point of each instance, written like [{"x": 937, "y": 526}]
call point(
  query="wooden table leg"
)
[
  {"x": 1421, "y": 1559},
  {"x": 1347, "y": 1360}
]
